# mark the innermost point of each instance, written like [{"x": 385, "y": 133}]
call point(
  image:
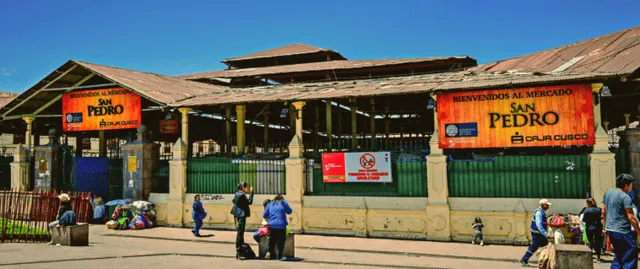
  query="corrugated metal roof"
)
[
  {"x": 319, "y": 66},
  {"x": 159, "y": 88},
  {"x": 292, "y": 49},
  {"x": 617, "y": 52},
  {"x": 464, "y": 80}
]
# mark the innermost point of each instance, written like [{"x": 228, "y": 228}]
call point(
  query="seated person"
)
[
  {"x": 99, "y": 211},
  {"x": 264, "y": 226},
  {"x": 123, "y": 216}
]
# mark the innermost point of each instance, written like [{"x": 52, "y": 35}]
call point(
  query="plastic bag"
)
[
  {"x": 555, "y": 221},
  {"x": 558, "y": 237},
  {"x": 287, "y": 230}
]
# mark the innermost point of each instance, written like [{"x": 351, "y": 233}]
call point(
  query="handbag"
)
[{"x": 263, "y": 230}]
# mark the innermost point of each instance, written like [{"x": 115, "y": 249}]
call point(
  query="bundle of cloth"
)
[{"x": 145, "y": 215}]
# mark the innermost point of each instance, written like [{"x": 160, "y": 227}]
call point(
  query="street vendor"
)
[{"x": 123, "y": 216}]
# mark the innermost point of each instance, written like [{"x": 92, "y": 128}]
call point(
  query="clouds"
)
[{"x": 6, "y": 72}]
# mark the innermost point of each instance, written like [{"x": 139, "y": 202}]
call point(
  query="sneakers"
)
[
  {"x": 481, "y": 243},
  {"x": 523, "y": 263},
  {"x": 267, "y": 256},
  {"x": 473, "y": 242},
  {"x": 238, "y": 257},
  {"x": 284, "y": 259}
]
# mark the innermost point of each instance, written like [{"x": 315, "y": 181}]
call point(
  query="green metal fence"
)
[
  {"x": 521, "y": 176},
  {"x": 409, "y": 180},
  {"x": 221, "y": 175},
  {"x": 160, "y": 178}
]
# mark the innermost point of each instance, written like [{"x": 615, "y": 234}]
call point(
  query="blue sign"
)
[{"x": 469, "y": 129}]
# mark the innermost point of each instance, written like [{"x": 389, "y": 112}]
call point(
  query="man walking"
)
[
  {"x": 617, "y": 211},
  {"x": 539, "y": 235}
]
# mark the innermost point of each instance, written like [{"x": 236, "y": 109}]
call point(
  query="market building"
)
[{"x": 409, "y": 148}]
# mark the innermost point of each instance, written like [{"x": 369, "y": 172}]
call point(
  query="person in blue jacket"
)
[
  {"x": 539, "y": 236},
  {"x": 198, "y": 214},
  {"x": 276, "y": 212}
]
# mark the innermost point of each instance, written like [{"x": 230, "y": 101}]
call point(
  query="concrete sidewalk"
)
[{"x": 345, "y": 244}]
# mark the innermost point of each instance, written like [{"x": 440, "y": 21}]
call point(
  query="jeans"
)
[
  {"x": 198, "y": 222},
  {"x": 256, "y": 236},
  {"x": 537, "y": 241},
  {"x": 624, "y": 248},
  {"x": 242, "y": 223},
  {"x": 595, "y": 240},
  {"x": 277, "y": 236}
]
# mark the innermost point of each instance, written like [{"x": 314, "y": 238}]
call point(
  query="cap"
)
[
  {"x": 64, "y": 197},
  {"x": 544, "y": 202}
]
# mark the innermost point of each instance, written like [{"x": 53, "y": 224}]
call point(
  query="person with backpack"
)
[
  {"x": 63, "y": 217},
  {"x": 276, "y": 212},
  {"x": 539, "y": 235},
  {"x": 241, "y": 212}
]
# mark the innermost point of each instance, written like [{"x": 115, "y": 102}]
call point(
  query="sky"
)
[{"x": 172, "y": 38}]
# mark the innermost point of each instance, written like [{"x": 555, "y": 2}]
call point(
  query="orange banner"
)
[
  {"x": 526, "y": 117},
  {"x": 106, "y": 109}
]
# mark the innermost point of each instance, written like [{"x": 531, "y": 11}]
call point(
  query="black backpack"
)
[{"x": 247, "y": 252}]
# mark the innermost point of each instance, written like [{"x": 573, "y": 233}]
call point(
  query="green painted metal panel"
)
[
  {"x": 565, "y": 176},
  {"x": 212, "y": 175}
]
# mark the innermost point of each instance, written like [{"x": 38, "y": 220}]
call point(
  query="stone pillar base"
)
[
  {"x": 174, "y": 213},
  {"x": 603, "y": 173},
  {"x": 438, "y": 222}
]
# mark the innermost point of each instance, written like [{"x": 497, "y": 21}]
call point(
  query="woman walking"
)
[
  {"x": 276, "y": 212},
  {"x": 592, "y": 218},
  {"x": 241, "y": 212}
]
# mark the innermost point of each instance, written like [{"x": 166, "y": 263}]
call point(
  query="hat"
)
[
  {"x": 545, "y": 202},
  {"x": 125, "y": 206},
  {"x": 64, "y": 197}
]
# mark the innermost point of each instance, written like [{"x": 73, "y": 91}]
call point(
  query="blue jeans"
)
[
  {"x": 537, "y": 241},
  {"x": 624, "y": 248},
  {"x": 198, "y": 222},
  {"x": 256, "y": 236}
]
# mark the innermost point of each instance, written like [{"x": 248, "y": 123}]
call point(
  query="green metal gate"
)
[
  {"x": 5, "y": 172},
  {"x": 115, "y": 179},
  {"x": 565, "y": 176}
]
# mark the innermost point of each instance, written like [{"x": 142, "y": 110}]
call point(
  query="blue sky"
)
[{"x": 171, "y": 38}]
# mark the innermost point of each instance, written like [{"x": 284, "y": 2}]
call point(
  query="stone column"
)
[
  {"x": 603, "y": 162},
  {"x": 241, "y": 111},
  {"x": 139, "y": 161},
  {"x": 295, "y": 182},
  {"x": 20, "y": 169},
  {"x": 298, "y": 113},
  {"x": 47, "y": 165},
  {"x": 184, "y": 111},
  {"x": 178, "y": 184},
  {"x": 438, "y": 212},
  {"x": 28, "y": 133}
]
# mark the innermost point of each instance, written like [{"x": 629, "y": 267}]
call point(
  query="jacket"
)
[
  {"x": 539, "y": 222},
  {"x": 276, "y": 212},
  {"x": 241, "y": 205},
  {"x": 198, "y": 211},
  {"x": 64, "y": 207}
]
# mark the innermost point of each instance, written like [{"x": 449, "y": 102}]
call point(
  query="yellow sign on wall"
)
[
  {"x": 132, "y": 164},
  {"x": 525, "y": 117}
]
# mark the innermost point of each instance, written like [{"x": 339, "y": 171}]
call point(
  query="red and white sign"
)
[{"x": 364, "y": 167}]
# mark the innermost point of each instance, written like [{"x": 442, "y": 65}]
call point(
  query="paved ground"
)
[{"x": 177, "y": 248}]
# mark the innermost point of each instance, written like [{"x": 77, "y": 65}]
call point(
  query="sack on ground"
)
[
  {"x": 247, "y": 252},
  {"x": 112, "y": 224},
  {"x": 555, "y": 221},
  {"x": 558, "y": 236}
]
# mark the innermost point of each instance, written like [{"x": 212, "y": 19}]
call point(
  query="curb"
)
[
  {"x": 217, "y": 256},
  {"x": 413, "y": 254}
]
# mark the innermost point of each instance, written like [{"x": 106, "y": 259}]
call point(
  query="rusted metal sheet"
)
[
  {"x": 379, "y": 87},
  {"x": 292, "y": 49},
  {"x": 320, "y": 66},
  {"x": 617, "y": 52}
]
